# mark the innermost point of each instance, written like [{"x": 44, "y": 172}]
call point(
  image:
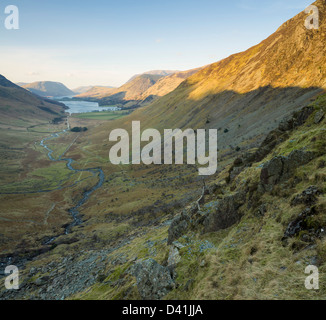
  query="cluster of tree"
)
[
  {"x": 58, "y": 120},
  {"x": 79, "y": 129}
]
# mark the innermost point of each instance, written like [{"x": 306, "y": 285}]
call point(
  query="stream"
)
[
  {"x": 74, "y": 212},
  {"x": 77, "y": 220}
]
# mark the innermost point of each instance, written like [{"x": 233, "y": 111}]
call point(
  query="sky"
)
[{"x": 104, "y": 42}]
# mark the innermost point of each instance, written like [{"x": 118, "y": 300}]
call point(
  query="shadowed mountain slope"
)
[
  {"x": 19, "y": 105},
  {"x": 132, "y": 91}
]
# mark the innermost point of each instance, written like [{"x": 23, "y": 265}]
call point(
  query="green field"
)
[{"x": 104, "y": 115}]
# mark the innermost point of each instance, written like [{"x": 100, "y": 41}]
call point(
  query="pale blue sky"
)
[{"x": 104, "y": 42}]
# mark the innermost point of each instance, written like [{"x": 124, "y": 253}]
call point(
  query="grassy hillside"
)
[
  {"x": 254, "y": 254},
  {"x": 20, "y": 108},
  {"x": 252, "y": 257},
  {"x": 22, "y": 115}
]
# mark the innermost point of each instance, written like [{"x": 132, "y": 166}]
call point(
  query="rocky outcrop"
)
[
  {"x": 319, "y": 116},
  {"x": 218, "y": 215},
  {"x": 281, "y": 168},
  {"x": 307, "y": 227},
  {"x": 299, "y": 224},
  {"x": 153, "y": 280},
  {"x": 273, "y": 139},
  {"x": 307, "y": 197},
  {"x": 178, "y": 227},
  {"x": 226, "y": 213}
]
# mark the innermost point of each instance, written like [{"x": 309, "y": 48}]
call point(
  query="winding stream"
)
[{"x": 77, "y": 220}]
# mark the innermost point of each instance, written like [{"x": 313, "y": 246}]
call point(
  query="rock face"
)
[
  {"x": 272, "y": 172},
  {"x": 281, "y": 168},
  {"x": 178, "y": 227},
  {"x": 226, "y": 213},
  {"x": 153, "y": 280}
]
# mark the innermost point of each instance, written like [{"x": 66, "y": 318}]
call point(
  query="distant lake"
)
[{"x": 85, "y": 106}]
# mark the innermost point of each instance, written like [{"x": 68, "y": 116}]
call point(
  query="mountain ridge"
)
[{"x": 163, "y": 73}]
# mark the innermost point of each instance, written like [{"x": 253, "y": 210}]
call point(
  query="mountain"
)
[
  {"x": 18, "y": 103},
  {"x": 247, "y": 94},
  {"x": 167, "y": 84},
  {"x": 82, "y": 89},
  {"x": 49, "y": 89},
  {"x": 162, "y": 73},
  {"x": 131, "y": 92},
  {"x": 144, "y": 89},
  {"x": 20, "y": 110}
]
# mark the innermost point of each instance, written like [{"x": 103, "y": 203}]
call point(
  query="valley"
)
[{"x": 85, "y": 217}]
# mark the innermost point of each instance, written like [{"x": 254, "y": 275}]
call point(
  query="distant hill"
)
[
  {"x": 49, "y": 89},
  {"x": 96, "y": 92},
  {"x": 146, "y": 88},
  {"x": 140, "y": 89},
  {"x": 90, "y": 89},
  {"x": 131, "y": 92},
  {"x": 82, "y": 89},
  {"x": 167, "y": 84}
]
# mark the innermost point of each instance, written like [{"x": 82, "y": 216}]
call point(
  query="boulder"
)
[
  {"x": 153, "y": 280},
  {"x": 174, "y": 257}
]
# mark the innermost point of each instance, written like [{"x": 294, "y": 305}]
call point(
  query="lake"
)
[{"x": 85, "y": 106}]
